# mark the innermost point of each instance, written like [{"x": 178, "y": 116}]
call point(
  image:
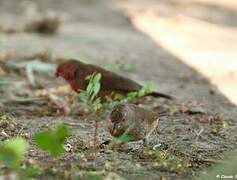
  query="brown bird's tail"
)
[{"x": 157, "y": 94}]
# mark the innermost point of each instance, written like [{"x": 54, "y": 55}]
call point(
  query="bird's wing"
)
[{"x": 112, "y": 81}]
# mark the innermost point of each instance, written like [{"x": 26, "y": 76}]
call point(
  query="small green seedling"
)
[
  {"x": 116, "y": 142},
  {"x": 30, "y": 172},
  {"x": 126, "y": 138},
  {"x": 89, "y": 96},
  {"x": 52, "y": 141},
  {"x": 92, "y": 176},
  {"x": 118, "y": 98},
  {"x": 147, "y": 89},
  {"x": 12, "y": 152}
]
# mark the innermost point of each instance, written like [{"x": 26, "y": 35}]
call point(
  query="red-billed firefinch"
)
[{"x": 75, "y": 73}]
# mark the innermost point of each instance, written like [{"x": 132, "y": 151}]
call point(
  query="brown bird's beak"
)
[{"x": 114, "y": 129}]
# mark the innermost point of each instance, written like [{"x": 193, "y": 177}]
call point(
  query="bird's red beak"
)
[{"x": 114, "y": 129}]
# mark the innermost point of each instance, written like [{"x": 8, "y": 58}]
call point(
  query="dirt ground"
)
[{"x": 200, "y": 125}]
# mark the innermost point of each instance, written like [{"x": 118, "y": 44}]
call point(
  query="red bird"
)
[{"x": 75, "y": 73}]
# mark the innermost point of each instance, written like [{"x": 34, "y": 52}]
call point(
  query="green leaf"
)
[
  {"x": 89, "y": 88},
  {"x": 92, "y": 176},
  {"x": 89, "y": 96},
  {"x": 147, "y": 89},
  {"x": 97, "y": 78},
  {"x": 52, "y": 141},
  {"x": 119, "y": 97},
  {"x": 126, "y": 138},
  {"x": 61, "y": 133},
  {"x": 30, "y": 172},
  {"x": 132, "y": 95},
  {"x": 96, "y": 90},
  {"x": 83, "y": 96},
  {"x": 96, "y": 104},
  {"x": 12, "y": 152},
  {"x": 45, "y": 140},
  {"x": 141, "y": 92}
]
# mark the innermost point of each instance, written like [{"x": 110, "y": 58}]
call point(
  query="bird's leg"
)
[
  {"x": 152, "y": 128},
  {"x": 129, "y": 129},
  {"x": 137, "y": 146},
  {"x": 120, "y": 142},
  {"x": 145, "y": 140}
]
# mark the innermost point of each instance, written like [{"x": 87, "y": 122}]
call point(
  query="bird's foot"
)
[
  {"x": 137, "y": 147},
  {"x": 145, "y": 142}
]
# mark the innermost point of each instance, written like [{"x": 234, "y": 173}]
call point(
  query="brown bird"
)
[
  {"x": 135, "y": 121},
  {"x": 75, "y": 73}
]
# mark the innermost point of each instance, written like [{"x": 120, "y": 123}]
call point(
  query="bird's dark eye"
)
[
  {"x": 57, "y": 74},
  {"x": 120, "y": 120},
  {"x": 116, "y": 116}
]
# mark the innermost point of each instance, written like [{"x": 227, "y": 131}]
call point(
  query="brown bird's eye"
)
[
  {"x": 116, "y": 116},
  {"x": 120, "y": 120}
]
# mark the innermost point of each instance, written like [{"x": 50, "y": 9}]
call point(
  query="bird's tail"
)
[{"x": 157, "y": 94}]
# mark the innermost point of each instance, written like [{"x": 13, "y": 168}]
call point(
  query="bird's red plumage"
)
[{"x": 75, "y": 73}]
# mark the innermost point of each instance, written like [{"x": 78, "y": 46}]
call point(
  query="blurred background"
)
[
  {"x": 202, "y": 33},
  {"x": 199, "y": 33}
]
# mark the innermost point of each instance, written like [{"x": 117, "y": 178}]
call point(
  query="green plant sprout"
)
[
  {"x": 52, "y": 141},
  {"x": 118, "y": 98},
  {"x": 30, "y": 172},
  {"x": 90, "y": 95},
  {"x": 12, "y": 152}
]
